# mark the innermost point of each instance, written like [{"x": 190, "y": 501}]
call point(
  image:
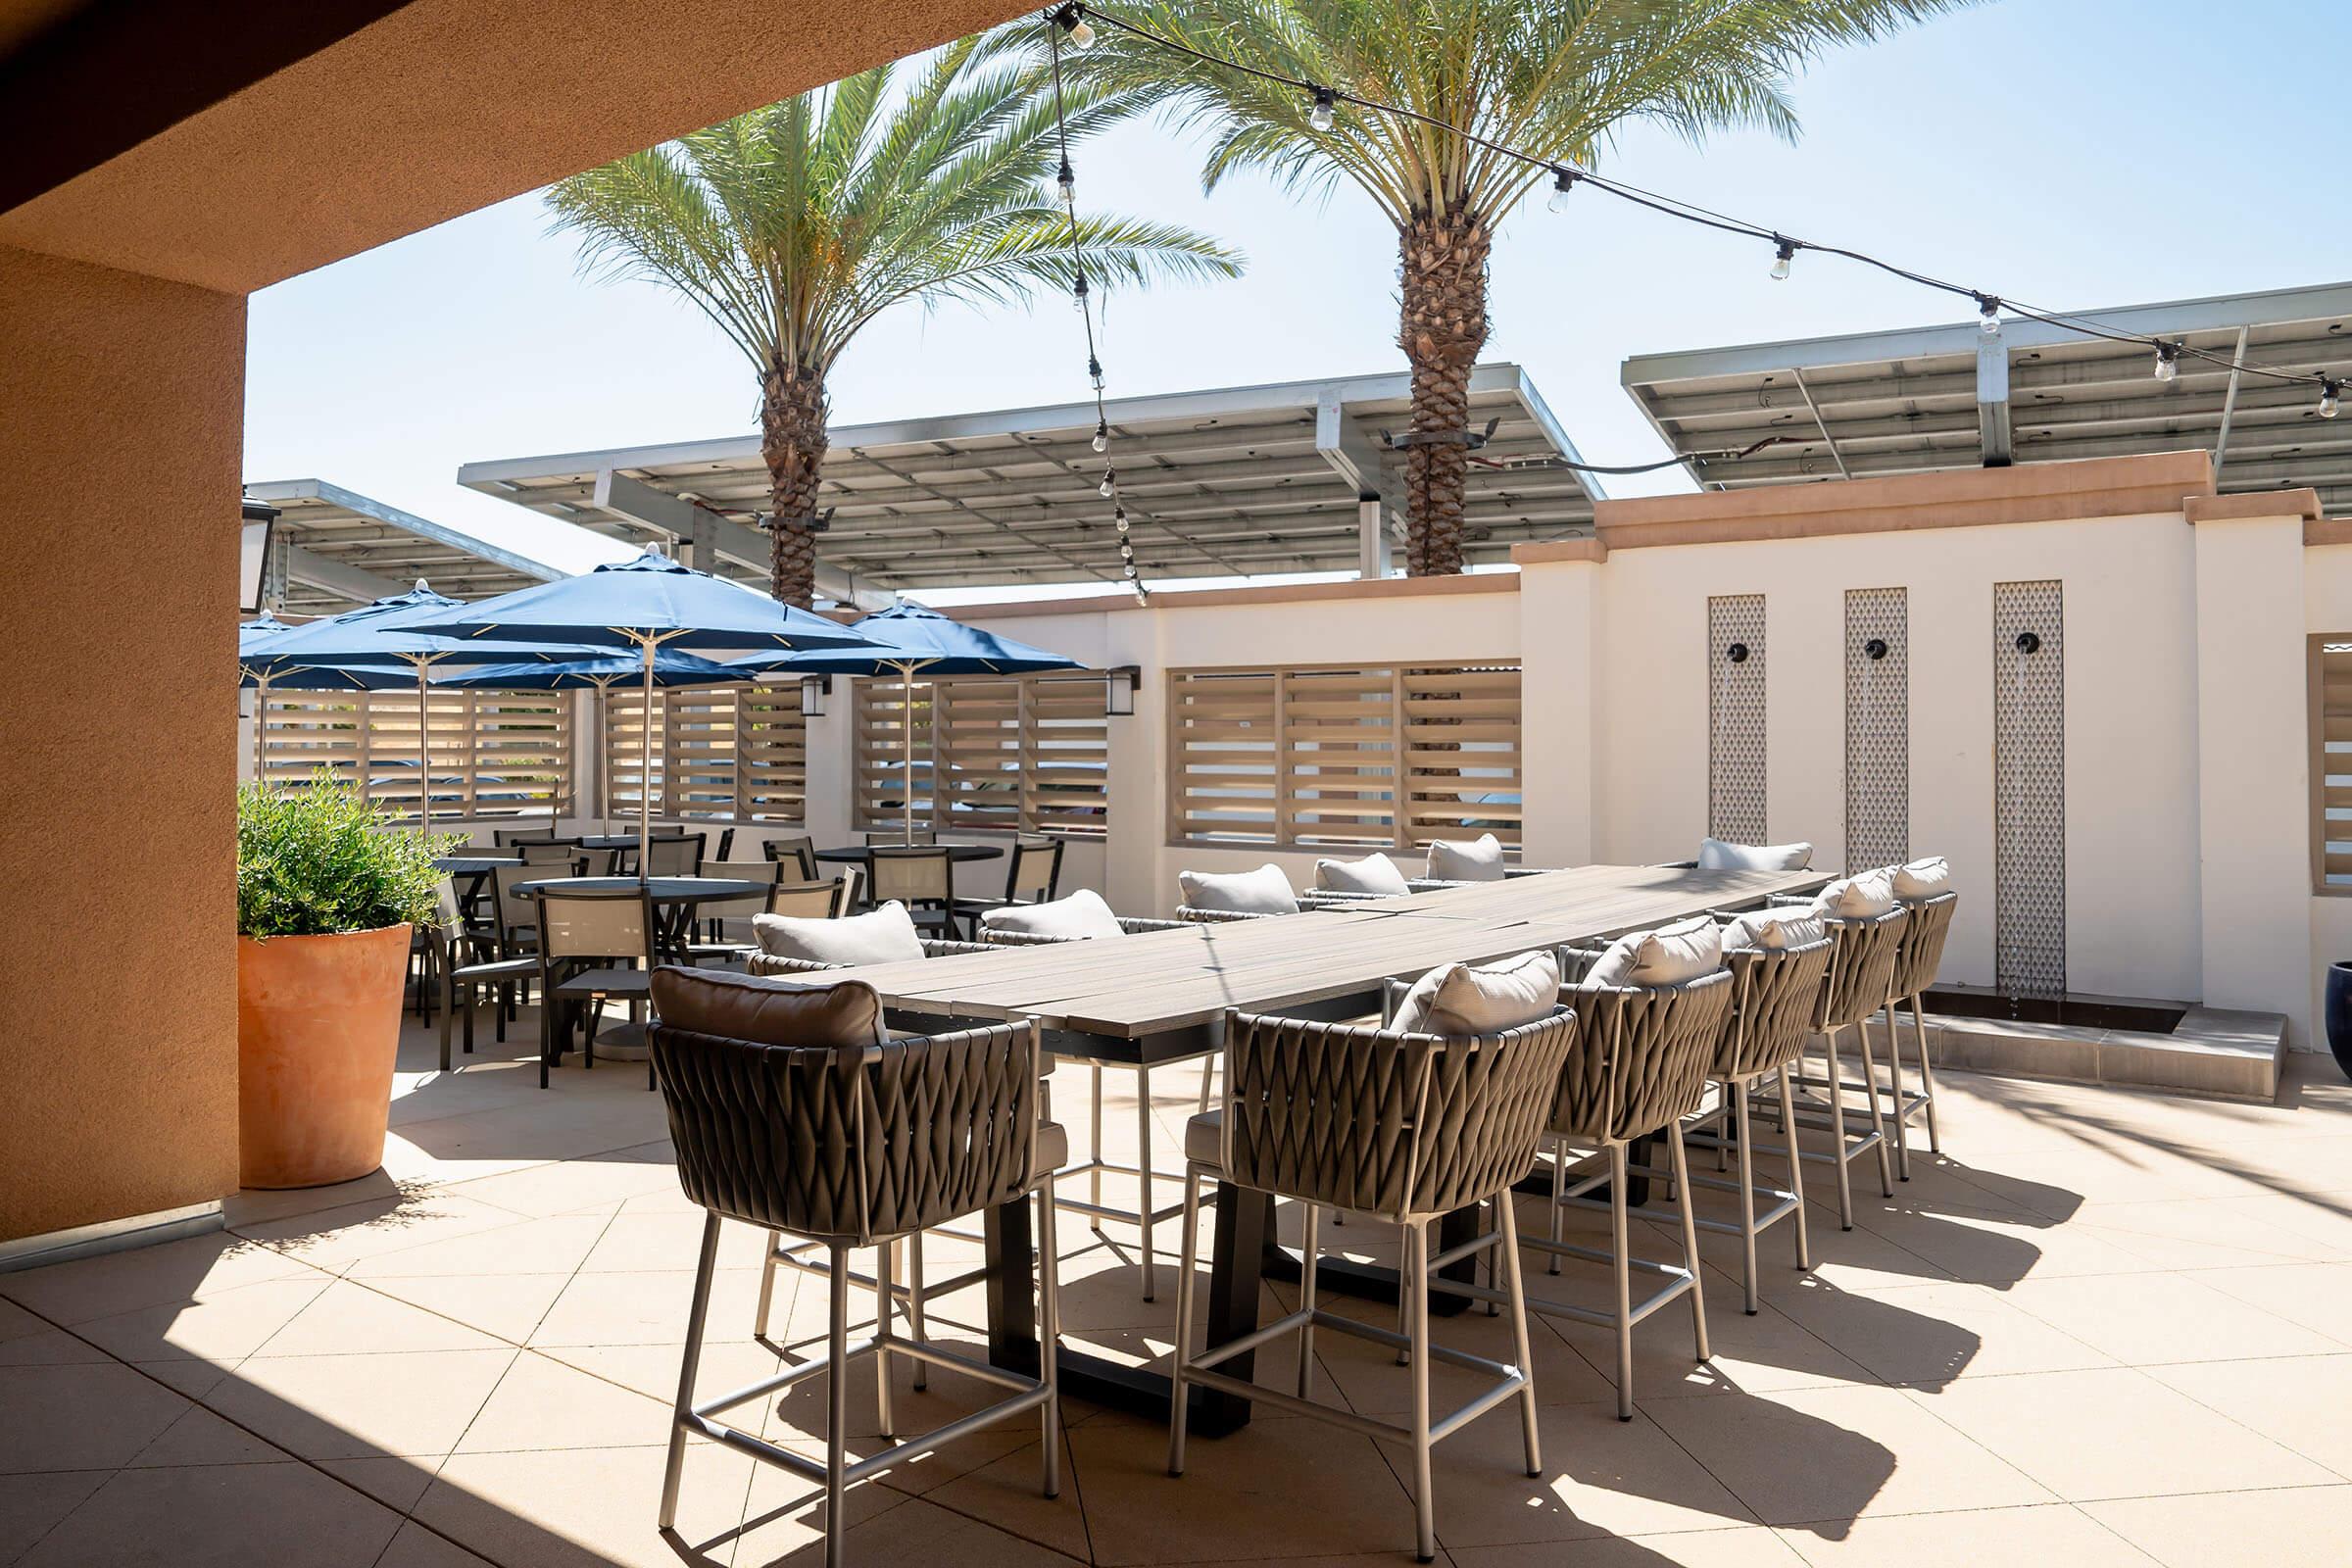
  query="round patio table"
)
[{"x": 958, "y": 853}]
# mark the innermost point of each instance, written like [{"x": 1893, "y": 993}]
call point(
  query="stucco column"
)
[
  {"x": 118, "y": 743},
  {"x": 2254, "y": 856},
  {"x": 1559, "y": 662}
]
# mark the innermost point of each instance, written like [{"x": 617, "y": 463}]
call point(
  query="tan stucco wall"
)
[{"x": 119, "y": 403}]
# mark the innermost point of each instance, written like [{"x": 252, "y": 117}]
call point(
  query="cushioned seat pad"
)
[{"x": 1204, "y": 1138}]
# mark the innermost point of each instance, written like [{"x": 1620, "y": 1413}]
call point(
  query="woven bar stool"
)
[
  {"x": 1926, "y": 898},
  {"x": 1641, "y": 1067},
  {"x": 1403, "y": 1127},
  {"x": 1859, "y": 981},
  {"x": 792, "y": 1109}
]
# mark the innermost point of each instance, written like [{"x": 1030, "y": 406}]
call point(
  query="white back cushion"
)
[
  {"x": 1081, "y": 915},
  {"x": 1666, "y": 957},
  {"x": 1479, "y": 860},
  {"x": 1375, "y": 873},
  {"x": 1772, "y": 930},
  {"x": 1264, "y": 891},
  {"x": 883, "y": 936},
  {"x": 1459, "y": 1000},
  {"x": 1857, "y": 897},
  {"x": 1921, "y": 880},
  {"x": 1717, "y": 854}
]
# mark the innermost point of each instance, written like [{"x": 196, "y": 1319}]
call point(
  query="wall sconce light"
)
[
  {"x": 2029, "y": 642},
  {"x": 1118, "y": 690},
  {"x": 253, "y": 584},
  {"x": 1874, "y": 649},
  {"x": 814, "y": 691},
  {"x": 1737, "y": 653}
]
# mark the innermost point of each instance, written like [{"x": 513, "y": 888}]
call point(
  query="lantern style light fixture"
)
[
  {"x": 1118, "y": 690},
  {"x": 815, "y": 689},
  {"x": 252, "y": 581}
]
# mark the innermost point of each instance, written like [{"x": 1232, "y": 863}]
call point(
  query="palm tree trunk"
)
[
  {"x": 1443, "y": 276},
  {"x": 792, "y": 441}
]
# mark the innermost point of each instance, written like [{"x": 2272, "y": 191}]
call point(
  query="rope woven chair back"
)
[
  {"x": 844, "y": 1143},
  {"x": 594, "y": 925},
  {"x": 547, "y": 852},
  {"x": 1774, "y": 997},
  {"x": 800, "y": 850},
  {"x": 1036, "y": 870},
  {"x": 1861, "y": 967},
  {"x": 1394, "y": 1125},
  {"x": 908, "y": 874},
  {"x": 768, "y": 872},
  {"x": 1921, "y": 952},
  {"x": 1642, "y": 1059},
  {"x": 808, "y": 901},
  {"x": 678, "y": 856}
]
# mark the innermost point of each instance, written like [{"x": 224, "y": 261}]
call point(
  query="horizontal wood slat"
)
[
  {"x": 2330, "y": 721},
  {"x": 1319, "y": 757},
  {"x": 494, "y": 754},
  {"x": 734, "y": 752},
  {"x": 1019, "y": 752}
]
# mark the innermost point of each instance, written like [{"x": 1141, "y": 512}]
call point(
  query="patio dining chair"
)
[
  {"x": 922, "y": 877},
  {"x": 795, "y": 1110},
  {"x": 714, "y": 915},
  {"x": 508, "y": 837},
  {"x": 1032, "y": 874},
  {"x": 671, "y": 855},
  {"x": 903, "y": 837},
  {"x": 546, "y": 852},
  {"x": 465, "y": 960},
  {"x": 797, "y": 849},
  {"x": 595, "y": 946},
  {"x": 1403, "y": 1127}
]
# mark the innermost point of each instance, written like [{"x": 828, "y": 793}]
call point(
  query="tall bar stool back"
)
[
  {"x": 1859, "y": 982},
  {"x": 1916, "y": 962}
]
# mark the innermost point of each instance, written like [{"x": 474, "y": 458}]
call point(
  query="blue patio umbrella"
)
[
  {"x": 915, "y": 637},
  {"x": 358, "y": 649},
  {"x": 645, "y": 605}
]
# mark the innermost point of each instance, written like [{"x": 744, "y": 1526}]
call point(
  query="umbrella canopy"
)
[
  {"x": 646, "y": 604},
  {"x": 593, "y": 675},
  {"x": 915, "y": 637}
]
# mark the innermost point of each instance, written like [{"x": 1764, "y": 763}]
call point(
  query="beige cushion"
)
[
  {"x": 1052, "y": 1151},
  {"x": 1375, "y": 873},
  {"x": 1205, "y": 1137},
  {"x": 1857, "y": 897},
  {"x": 1480, "y": 861},
  {"x": 1666, "y": 957},
  {"x": 767, "y": 1012},
  {"x": 1772, "y": 930},
  {"x": 1716, "y": 854},
  {"x": 1264, "y": 891},
  {"x": 1459, "y": 1000},
  {"x": 1081, "y": 915},
  {"x": 884, "y": 936},
  {"x": 1921, "y": 880}
]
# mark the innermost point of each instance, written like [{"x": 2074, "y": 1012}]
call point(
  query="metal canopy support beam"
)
[
  {"x": 682, "y": 520},
  {"x": 2221, "y": 440},
  {"x": 1356, "y": 461},
  {"x": 1821, "y": 425},
  {"x": 1994, "y": 437},
  {"x": 1372, "y": 537},
  {"x": 335, "y": 577}
]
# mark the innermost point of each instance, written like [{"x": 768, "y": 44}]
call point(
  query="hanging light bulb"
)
[
  {"x": 1563, "y": 181},
  {"x": 1093, "y": 370},
  {"x": 2330, "y": 392},
  {"x": 1078, "y": 288},
  {"x": 1321, "y": 117},
  {"x": 1071, "y": 18},
  {"x": 1066, "y": 181},
  {"x": 1128, "y": 572},
  {"x": 1989, "y": 314},
  {"x": 1109, "y": 486},
  {"x": 2168, "y": 360},
  {"x": 1119, "y": 515},
  {"x": 1782, "y": 257},
  {"x": 1101, "y": 441}
]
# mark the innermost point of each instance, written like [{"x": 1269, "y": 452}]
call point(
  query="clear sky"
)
[{"x": 2075, "y": 153}]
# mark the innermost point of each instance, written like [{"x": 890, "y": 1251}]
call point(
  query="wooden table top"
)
[{"x": 1156, "y": 981}]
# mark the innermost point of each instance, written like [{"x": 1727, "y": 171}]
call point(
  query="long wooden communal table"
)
[{"x": 1162, "y": 996}]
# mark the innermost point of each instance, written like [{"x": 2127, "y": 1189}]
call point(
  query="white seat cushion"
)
[
  {"x": 1857, "y": 897},
  {"x": 884, "y": 936},
  {"x": 1205, "y": 1137},
  {"x": 1921, "y": 880},
  {"x": 1480, "y": 861},
  {"x": 1772, "y": 931},
  {"x": 1264, "y": 891},
  {"x": 1374, "y": 874},
  {"x": 1666, "y": 957},
  {"x": 1716, "y": 854},
  {"x": 1460, "y": 1000},
  {"x": 1081, "y": 915}
]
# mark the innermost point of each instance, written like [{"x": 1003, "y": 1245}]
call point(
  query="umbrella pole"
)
[
  {"x": 645, "y": 777},
  {"x": 907, "y": 734},
  {"x": 425, "y": 752}
]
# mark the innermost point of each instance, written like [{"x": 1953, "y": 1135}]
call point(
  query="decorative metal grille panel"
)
[
  {"x": 1878, "y": 727},
  {"x": 1736, "y": 719},
  {"x": 2028, "y": 763}
]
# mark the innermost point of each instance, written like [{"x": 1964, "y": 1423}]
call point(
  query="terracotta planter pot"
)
[{"x": 318, "y": 1030}]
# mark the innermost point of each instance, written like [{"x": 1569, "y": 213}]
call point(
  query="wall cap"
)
[
  {"x": 2032, "y": 492},
  {"x": 2302, "y": 504},
  {"x": 1484, "y": 582},
  {"x": 2328, "y": 531},
  {"x": 1548, "y": 551}
]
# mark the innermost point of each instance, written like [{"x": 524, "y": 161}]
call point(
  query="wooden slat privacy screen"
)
[
  {"x": 495, "y": 754},
  {"x": 1027, "y": 754},
  {"x": 2332, "y": 762},
  {"x": 719, "y": 751},
  {"x": 1309, "y": 755}
]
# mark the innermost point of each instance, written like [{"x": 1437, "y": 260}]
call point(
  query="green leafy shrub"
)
[{"x": 322, "y": 859}]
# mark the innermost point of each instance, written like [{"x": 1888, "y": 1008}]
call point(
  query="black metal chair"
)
[{"x": 594, "y": 945}]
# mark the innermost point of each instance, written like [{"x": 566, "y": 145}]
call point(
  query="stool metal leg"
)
[
  {"x": 1425, "y": 1522},
  {"x": 1307, "y": 1301},
  {"x": 1142, "y": 1168},
  {"x": 1837, "y": 1154},
  {"x": 1747, "y": 1196},
  {"x": 1926, "y": 1071},
  {"x": 1510, "y": 1248},
  {"x": 675, "y": 1467},
  {"x": 1894, "y": 1077},
  {"x": 1878, "y": 1123},
  {"x": 885, "y": 1302},
  {"x": 1094, "y": 1192},
  {"x": 837, "y": 1405},
  {"x": 914, "y": 1301},
  {"x": 1559, "y": 1199},
  {"x": 1208, "y": 1079},
  {"x": 1682, "y": 1199},
  {"x": 767, "y": 1283},
  {"x": 1048, "y": 1342},
  {"x": 1180, "y": 1403},
  {"x": 1796, "y": 1168},
  {"x": 1620, "y": 1245}
]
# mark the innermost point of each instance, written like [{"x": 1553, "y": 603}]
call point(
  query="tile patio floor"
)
[{"x": 2109, "y": 1327}]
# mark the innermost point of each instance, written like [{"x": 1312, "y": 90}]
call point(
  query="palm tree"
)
[
  {"x": 1551, "y": 79},
  {"x": 794, "y": 225}
]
